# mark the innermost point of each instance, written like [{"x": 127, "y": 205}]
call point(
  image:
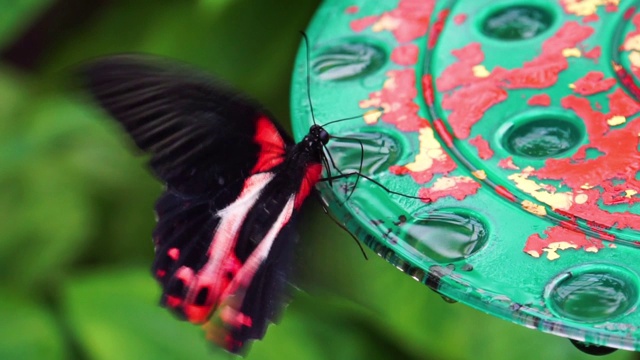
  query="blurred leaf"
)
[
  {"x": 115, "y": 315},
  {"x": 20, "y": 14},
  {"x": 28, "y": 330}
]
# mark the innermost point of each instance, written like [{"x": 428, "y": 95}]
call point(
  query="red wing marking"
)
[
  {"x": 272, "y": 147},
  {"x": 222, "y": 261},
  {"x": 232, "y": 298},
  {"x": 311, "y": 177}
]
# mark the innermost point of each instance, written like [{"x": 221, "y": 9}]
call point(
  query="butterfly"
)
[{"x": 235, "y": 182}]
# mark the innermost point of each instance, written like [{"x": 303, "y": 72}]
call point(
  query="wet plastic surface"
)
[{"x": 518, "y": 120}]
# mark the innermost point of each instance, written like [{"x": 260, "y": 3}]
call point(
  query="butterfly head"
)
[{"x": 317, "y": 136}]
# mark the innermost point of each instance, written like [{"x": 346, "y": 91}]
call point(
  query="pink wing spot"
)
[
  {"x": 484, "y": 150},
  {"x": 539, "y": 100},
  {"x": 272, "y": 147},
  {"x": 161, "y": 273},
  {"x": 173, "y": 301},
  {"x": 174, "y": 253},
  {"x": 197, "y": 314},
  {"x": 405, "y": 55},
  {"x": 235, "y": 318}
]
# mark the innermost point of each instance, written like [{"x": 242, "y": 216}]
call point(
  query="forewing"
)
[
  {"x": 215, "y": 150},
  {"x": 201, "y": 135}
]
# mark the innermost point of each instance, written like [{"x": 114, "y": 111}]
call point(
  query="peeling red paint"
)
[
  {"x": 629, "y": 13},
  {"x": 590, "y": 18},
  {"x": 408, "y": 21},
  {"x": 427, "y": 90},
  {"x": 507, "y": 163},
  {"x": 593, "y": 53},
  {"x": 439, "y": 167},
  {"x": 460, "y": 19},
  {"x": 556, "y": 235},
  {"x": 627, "y": 80},
  {"x": 592, "y": 83},
  {"x": 460, "y": 189},
  {"x": 396, "y": 97},
  {"x": 359, "y": 25},
  {"x": 473, "y": 95},
  {"x": 437, "y": 28},
  {"x": 405, "y": 55},
  {"x": 539, "y": 100},
  {"x": 442, "y": 130},
  {"x": 484, "y": 150},
  {"x": 505, "y": 193},
  {"x": 611, "y": 8},
  {"x": 352, "y": 9}
]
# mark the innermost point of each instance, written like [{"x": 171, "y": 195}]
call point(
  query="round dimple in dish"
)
[
  {"x": 446, "y": 236},
  {"x": 381, "y": 149},
  {"x": 348, "y": 60},
  {"x": 541, "y": 134},
  {"x": 593, "y": 293},
  {"x": 516, "y": 22}
]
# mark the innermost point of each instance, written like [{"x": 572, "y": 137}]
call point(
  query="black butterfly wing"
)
[{"x": 212, "y": 148}]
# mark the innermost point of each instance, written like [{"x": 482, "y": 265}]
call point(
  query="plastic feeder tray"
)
[{"x": 519, "y": 121}]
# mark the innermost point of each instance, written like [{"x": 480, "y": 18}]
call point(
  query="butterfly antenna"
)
[
  {"x": 358, "y": 173},
  {"x": 326, "y": 211},
  {"x": 346, "y": 175},
  {"x": 328, "y": 155},
  {"x": 306, "y": 45},
  {"x": 378, "y": 110}
]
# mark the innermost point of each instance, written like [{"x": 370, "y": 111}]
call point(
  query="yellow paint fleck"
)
[
  {"x": 480, "y": 174},
  {"x": 586, "y": 186},
  {"x": 634, "y": 58},
  {"x": 542, "y": 193},
  {"x": 385, "y": 23},
  {"x": 581, "y": 198},
  {"x": 632, "y": 43},
  {"x": 430, "y": 150},
  {"x": 445, "y": 183},
  {"x": 533, "y": 253},
  {"x": 552, "y": 249},
  {"x": 534, "y": 208},
  {"x": 372, "y": 116},
  {"x": 480, "y": 71},
  {"x": 591, "y": 249},
  {"x": 629, "y": 193},
  {"x": 616, "y": 120},
  {"x": 612, "y": 246},
  {"x": 572, "y": 86},
  {"x": 586, "y": 7},
  {"x": 571, "y": 52}
]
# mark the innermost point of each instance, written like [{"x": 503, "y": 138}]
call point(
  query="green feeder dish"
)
[{"x": 515, "y": 124}]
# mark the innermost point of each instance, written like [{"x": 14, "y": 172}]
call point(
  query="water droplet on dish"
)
[{"x": 348, "y": 60}]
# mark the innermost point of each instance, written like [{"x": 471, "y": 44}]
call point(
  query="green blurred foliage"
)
[{"x": 76, "y": 205}]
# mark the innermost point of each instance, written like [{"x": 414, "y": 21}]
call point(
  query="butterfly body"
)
[{"x": 234, "y": 184}]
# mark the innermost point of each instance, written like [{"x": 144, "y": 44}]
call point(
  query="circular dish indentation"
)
[
  {"x": 348, "y": 60},
  {"x": 446, "y": 236},
  {"x": 516, "y": 22},
  {"x": 366, "y": 152},
  {"x": 593, "y": 293},
  {"x": 541, "y": 135}
]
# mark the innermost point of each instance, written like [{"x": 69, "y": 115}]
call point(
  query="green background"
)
[{"x": 76, "y": 205}]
